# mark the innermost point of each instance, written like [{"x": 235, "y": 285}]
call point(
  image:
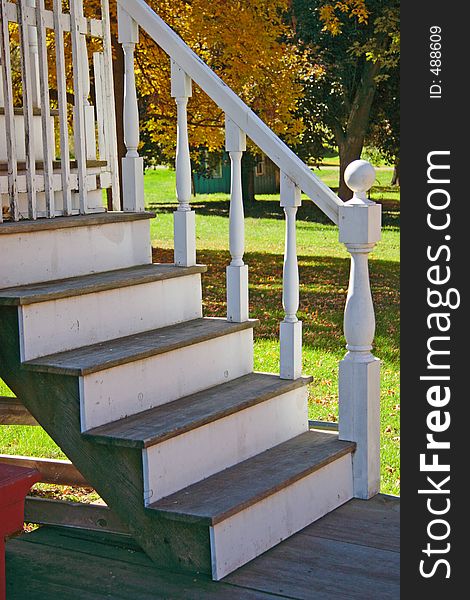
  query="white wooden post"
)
[
  {"x": 132, "y": 163},
  {"x": 184, "y": 217},
  {"x": 34, "y": 60},
  {"x": 237, "y": 271},
  {"x": 359, "y": 371},
  {"x": 48, "y": 148},
  {"x": 62, "y": 104},
  {"x": 89, "y": 110},
  {"x": 10, "y": 134},
  {"x": 79, "y": 127},
  {"x": 109, "y": 112},
  {"x": 291, "y": 327},
  {"x": 27, "y": 108}
]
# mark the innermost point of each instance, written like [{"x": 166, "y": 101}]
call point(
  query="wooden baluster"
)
[
  {"x": 184, "y": 217},
  {"x": 291, "y": 327},
  {"x": 10, "y": 133},
  {"x": 48, "y": 141},
  {"x": 34, "y": 60},
  {"x": 132, "y": 163},
  {"x": 109, "y": 110},
  {"x": 62, "y": 104},
  {"x": 79, "y": 126},
  {"x": 89, "y": 110},
  {"x": 359, "y": 371},
  {"x": 237, "y": 271},
  {"x": 26, "y": 72}
]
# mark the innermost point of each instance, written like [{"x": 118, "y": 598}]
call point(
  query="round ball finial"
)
[{"x": 359, "y": 177}]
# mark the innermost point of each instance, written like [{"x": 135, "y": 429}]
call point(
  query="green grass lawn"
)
[{"x": 324, "y": 269}]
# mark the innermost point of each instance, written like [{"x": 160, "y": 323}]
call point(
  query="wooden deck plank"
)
[
  {"x": 60, "y": 472},
  {"x": 254, "y": 479},
  {"x": 13, "y": 412},
  {"x": 95, "y": 282},
  {"x": 72, "y": 514},
  {"x": 10, "y": 227},
  {"x": 175, "y": 418},
  {"x": 380, "y": 516},
  {"x": 107, "y": 570},
  {"x": 308, "y": 567},
  {"x": 112, "y": 353},
  {"x": 69, "y": 564}
]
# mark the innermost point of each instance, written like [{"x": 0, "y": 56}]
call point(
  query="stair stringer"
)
[{"x": 115, "y": 472}]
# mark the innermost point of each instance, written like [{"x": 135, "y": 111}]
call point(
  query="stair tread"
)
[
  {"x": 95, "y": 282},
  {"x": 111, "y": 353},
  {"x": 104, "y": 218},
  {"x": 230, "y": 491},
  {"x": 175, "y": 418}
]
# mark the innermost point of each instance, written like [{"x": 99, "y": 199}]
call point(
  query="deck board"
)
[{"x": 319, "y": 562}]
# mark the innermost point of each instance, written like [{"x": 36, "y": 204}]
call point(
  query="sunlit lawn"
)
[{"x": 324, "y": 267}]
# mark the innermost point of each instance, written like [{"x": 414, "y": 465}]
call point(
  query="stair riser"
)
[
  {"x": 238, "y": 539},
  {"x": 195, "y": 455},
  {"x": 92, "y": 318},
  {"x": 46, "y": 255},
  {"x": 130, "y": 388}
]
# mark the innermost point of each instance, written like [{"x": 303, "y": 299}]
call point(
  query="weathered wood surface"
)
[
  {"x": 61, "y": 472},
  {"x": 175, "y": 418},
  {"x": 68, "y": 564},
  {"x": 57, "y": 165},
  {"x": 18, "y": 111},
  {"x": 13, "y": 412},
  {"x": 75, "y": 221},
  {"x": 254, "y": 479},
  {"x": 92, "y": 517},
  {"x": 106, "y": 355},
  {"x": 96, "y": 282},
  {"x": 116, "y": 473}
]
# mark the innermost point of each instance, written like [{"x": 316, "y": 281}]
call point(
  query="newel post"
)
[
  {"x": 132, "y": 163},
  {"x": 359, "y": 371},
  {"x": 291, "y": 327},
  {"x": 184, "y": 222},
  {"x": 237, "y": 271}
]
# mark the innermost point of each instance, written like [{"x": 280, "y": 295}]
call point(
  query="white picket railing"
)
[{"x": 36, "y": 178}]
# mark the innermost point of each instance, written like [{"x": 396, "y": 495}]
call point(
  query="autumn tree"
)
[
  {"x": 245, "y": 42},
  {"x": 384, "y": 130},
  {"x": 353, "y": 46}
]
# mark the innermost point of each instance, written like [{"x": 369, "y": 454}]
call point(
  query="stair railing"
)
[
  {"x": 358, "y": 221},
  {"x": 34, "y": 184}
]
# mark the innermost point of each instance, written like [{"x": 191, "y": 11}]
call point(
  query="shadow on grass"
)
[
  {"x": 324, "y": 283},
  {"x": 270, "y": 209}
]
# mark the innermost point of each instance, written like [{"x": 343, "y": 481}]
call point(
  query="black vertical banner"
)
[{"x": 435, "y": 258}]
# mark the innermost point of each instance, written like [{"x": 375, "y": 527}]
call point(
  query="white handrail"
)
[{"x": 287, "y": 161}]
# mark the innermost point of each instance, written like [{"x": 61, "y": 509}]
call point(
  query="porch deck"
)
[{"x": 348, "y": 554}]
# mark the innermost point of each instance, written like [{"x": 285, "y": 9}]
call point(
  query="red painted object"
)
[{"x": 15, "y": 483}]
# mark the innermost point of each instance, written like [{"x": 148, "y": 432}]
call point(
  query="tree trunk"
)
[
  {"x": 351, "y": 142},
  {"x": 118, "y": 75},
  {"x": 396, "y": 174},
  {"x": 248, "y": 177}
]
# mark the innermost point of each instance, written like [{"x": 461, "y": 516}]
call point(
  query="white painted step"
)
[
  {"x": 50, "y": 249},
  {"x": 194, "y": 437},
  {"x": 86, "y": 310},
  {"x": 256, "y": 504},
  {"x": 128, "y": 375}
]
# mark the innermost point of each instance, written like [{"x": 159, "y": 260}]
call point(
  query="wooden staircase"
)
[{"x": 208, "y": 463}]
